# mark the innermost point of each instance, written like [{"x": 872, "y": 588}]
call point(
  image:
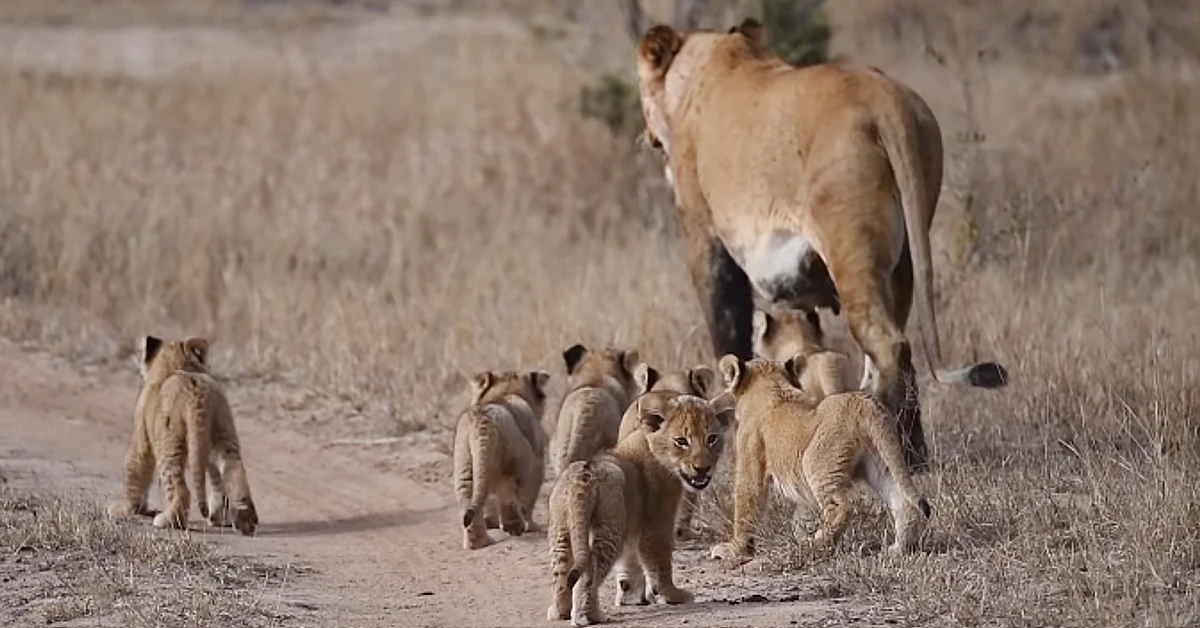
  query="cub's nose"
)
[{"x": 701, "y": 472}]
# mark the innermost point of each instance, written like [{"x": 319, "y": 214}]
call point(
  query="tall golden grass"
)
[{"x": 382, "y": 233}]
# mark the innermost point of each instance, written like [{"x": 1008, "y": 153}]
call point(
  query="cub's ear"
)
[
  {"x": 732, "y": 369},
  {"x": 703, "y": 380},
  {"x": 150, "y": 347},
  {"x": 724, "y": 407},
  {"x": 753, "y": 30},
  {"x": 657, "y": 49},
  {"x": 572, "y": 356},
  {"x": 629, "y": 361},
  {"x": 646, "y": 377},
  {"x": 794, "y": 367},
  {"x": 539, "y": 379},
  {"x": 198, "y": 347},
  {"x": 480, "y": 384},
  {"x": 651, "y": 411}
]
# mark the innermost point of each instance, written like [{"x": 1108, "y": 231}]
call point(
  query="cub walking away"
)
[
  {"x": 619, "y": 506},
  {"x": 183, "y": 421},
  {"x": 499, "y": 454},
  {"x": 600, "y": 388},
  {"x": 812, "y": 451}
]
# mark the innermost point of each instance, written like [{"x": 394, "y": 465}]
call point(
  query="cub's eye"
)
[
  {"x": 681, "y": 442},
  {"x": 712, "y": 440}
]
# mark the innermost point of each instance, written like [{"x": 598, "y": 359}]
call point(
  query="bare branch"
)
[
  {"x": 689, "y": 12},
  {"x": 635, "y": 19}
]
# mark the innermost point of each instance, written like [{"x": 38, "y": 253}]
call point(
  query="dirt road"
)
[{"x": 376, "y": 529}]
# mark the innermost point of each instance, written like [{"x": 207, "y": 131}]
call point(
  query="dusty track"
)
[{"x": 376, "y": 541}]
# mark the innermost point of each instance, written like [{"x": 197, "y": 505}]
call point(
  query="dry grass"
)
[
  {"x": 382, "y": 234},
  {"x": 64, "y": 561}
]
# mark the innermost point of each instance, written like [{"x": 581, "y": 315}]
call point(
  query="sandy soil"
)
[{"x": 371, "y": 530}]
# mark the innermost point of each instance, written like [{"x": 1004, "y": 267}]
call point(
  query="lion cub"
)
[
  {"x": 600, "y": 387},
  {"x": 798, "y": 333},
  {"x": 499, "y": 454},
  {"x": 813, "y": 452},
  {"x": 183, "y": 421},
  {"x": 619, "y": 506},
  {"x": 699, "y": 381}
]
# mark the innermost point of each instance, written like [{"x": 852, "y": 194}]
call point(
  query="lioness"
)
[
  {"x": 183, "y": 421},
  {"x": 621, "y": 505},
  {"x": 601, "y": 386},
  {"x": 802, "y": 187},
  {"x": 814, "y": 452},
  {"x": 499, "y": 459},
  {"x": 699, "y": 381},
  {"x": 798, "y": 334}
]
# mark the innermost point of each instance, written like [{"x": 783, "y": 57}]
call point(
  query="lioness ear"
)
[
  {"x": 657, "y": 49},
  {"x": 480, "y": 384},
  {"x": 572, "y": 356},
  {"x": 724, "y": 407},
  {"x": 629, "y": 361},
  {"x": 753, "y": 30},
  {"x": 731, "y": 368},
  {"x": 539, "y": 379},
  {"x": 150, "y": 347},
  {"x": 198, "y": 347},
  {"x": 645, "y": 376},
  {"x": 703, "y": 380}
]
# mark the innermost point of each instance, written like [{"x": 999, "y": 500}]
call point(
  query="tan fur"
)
[
  {"x": 600, "y": 388},
  {"x": 798, "y": 335},
  {"x": 499, "y": 454},
  {"x": 815, "y": 453},
  {"x": 824, "y": 178},
  {"x": 183, "y": 426},
  {"x": 699, "y": 381},
  {"x": 624, "y": 501}
]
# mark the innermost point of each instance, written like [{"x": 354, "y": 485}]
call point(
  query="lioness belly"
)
[{"x": 786, "y": 270}]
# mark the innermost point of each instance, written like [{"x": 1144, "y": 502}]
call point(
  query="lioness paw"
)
[{"x": 676, "y": 595}]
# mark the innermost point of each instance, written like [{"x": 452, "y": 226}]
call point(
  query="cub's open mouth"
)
[{"x": 696, "y": 482}]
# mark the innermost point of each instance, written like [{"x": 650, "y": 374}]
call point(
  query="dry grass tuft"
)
[
  {"x": 383, "y": 234},
  {"x": 65, "y": 561}
]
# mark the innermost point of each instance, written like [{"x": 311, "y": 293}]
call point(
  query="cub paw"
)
[
  {"x": 167, "y": 520},
  {"x": 474, "y": 542},
  {"x": 676, "y": 595},
  {"x": 554, "y": 614},
  {"x": 513, "y": 528},
  {"x": 630, "y": 593},
  {"x": 245, "y": 519},
  {"x": 728, "y": 552},
  {"x": 587, "y": 619}
]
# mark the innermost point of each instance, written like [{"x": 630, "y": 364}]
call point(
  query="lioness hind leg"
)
[{"x": 867, "y": 311}]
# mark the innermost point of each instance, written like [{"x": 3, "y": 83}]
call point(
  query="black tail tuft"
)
[
  {"x": 925, "y": 507},
  {"x": 468, "y": 517},
  {"x": 988, "y": 375},
  {"x": 572, "y": 578}
]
